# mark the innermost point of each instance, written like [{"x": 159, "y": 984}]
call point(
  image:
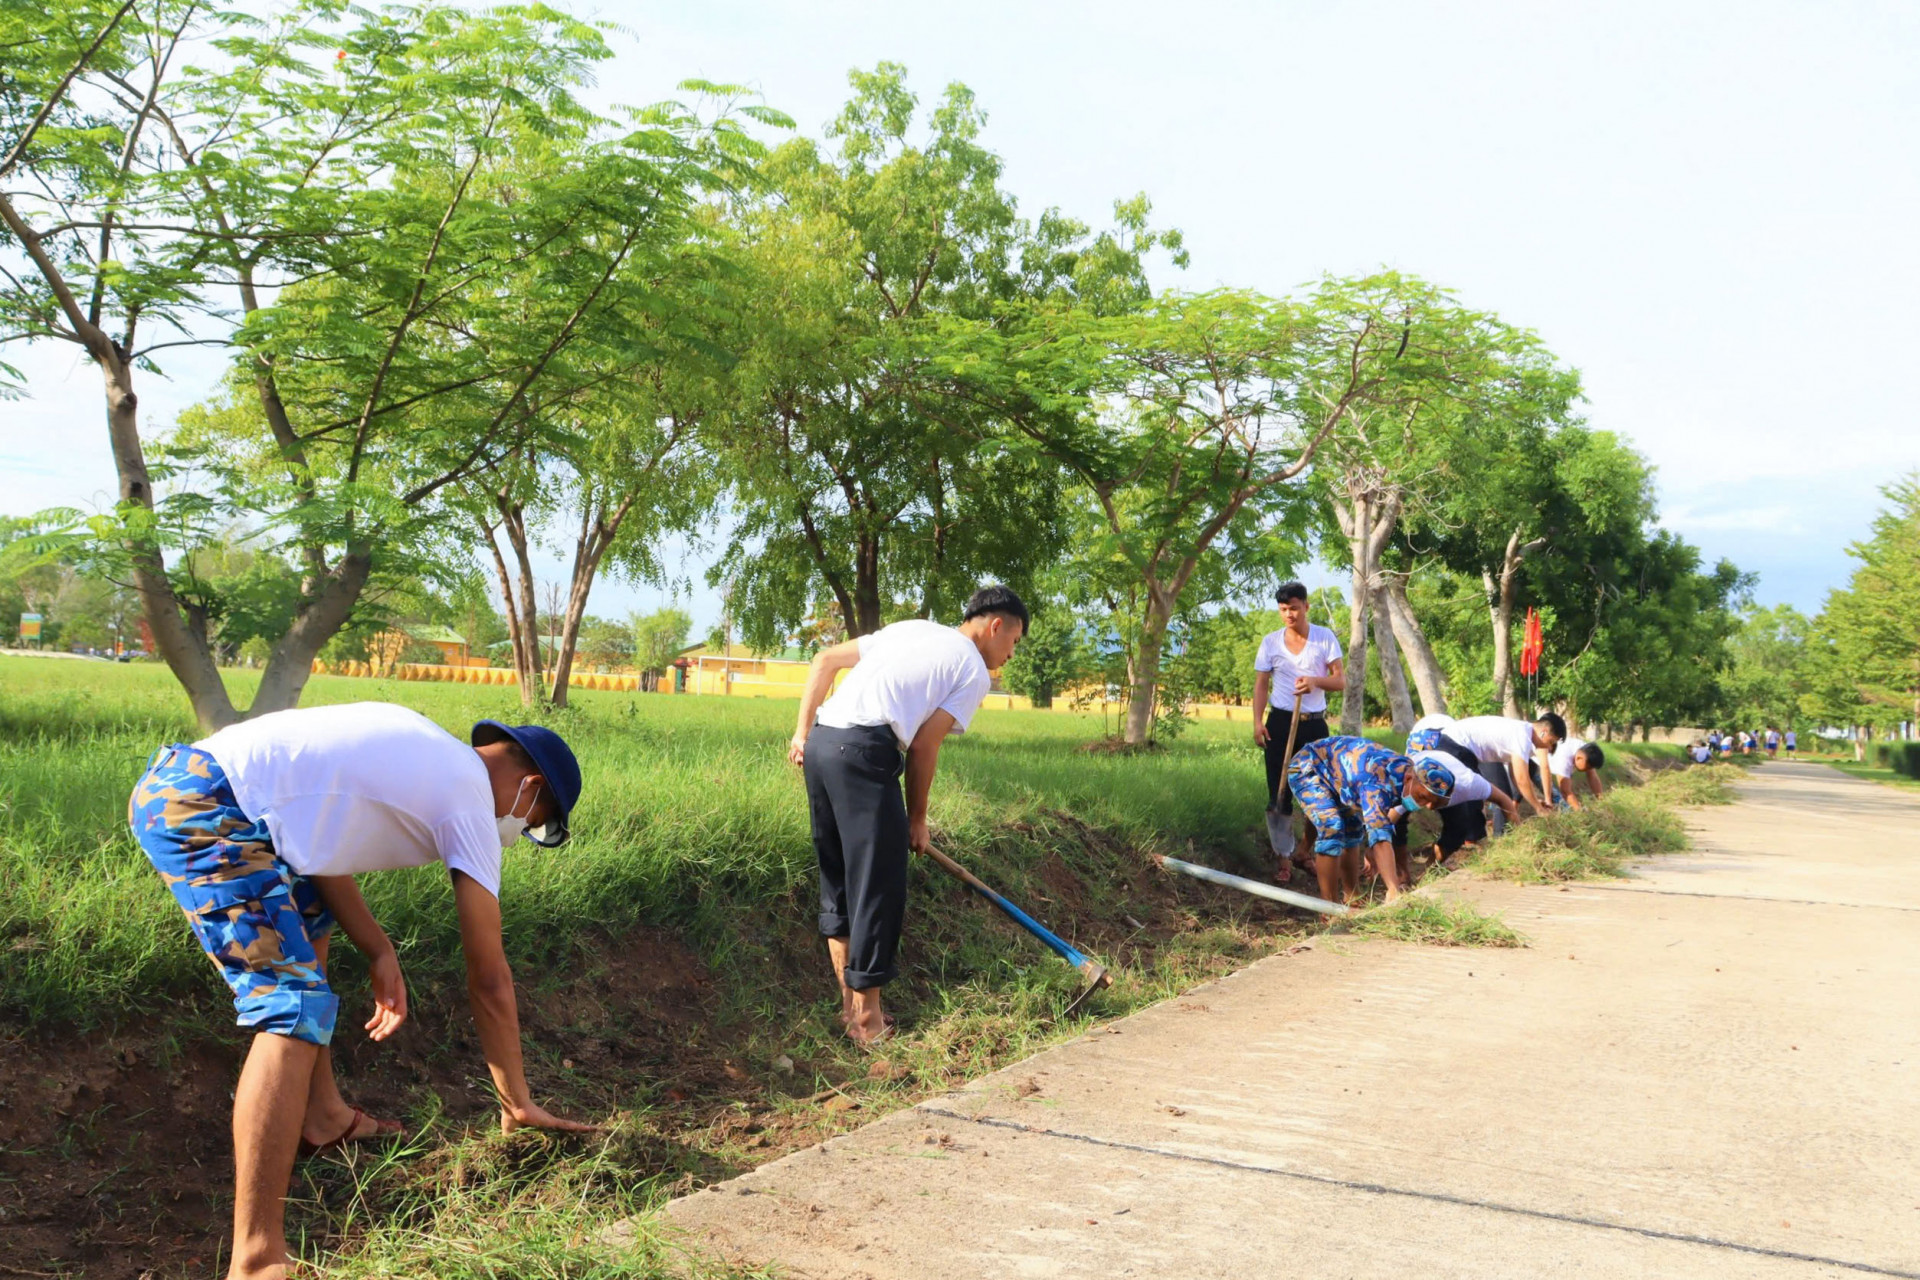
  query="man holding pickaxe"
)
[{"x": 1294, "y": 669}]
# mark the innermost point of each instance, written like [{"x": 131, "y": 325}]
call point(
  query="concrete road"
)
[{"x": 1712, "y": 1069}]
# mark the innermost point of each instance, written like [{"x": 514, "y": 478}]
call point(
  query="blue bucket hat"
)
[
  {"x": 1437, "y": 776},
  {"x": 553, "y": 758}
]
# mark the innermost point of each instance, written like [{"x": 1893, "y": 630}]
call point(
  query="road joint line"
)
[{"x": 1436, "y": 1197}]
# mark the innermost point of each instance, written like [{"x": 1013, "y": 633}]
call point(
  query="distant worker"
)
[
  {"x": 1297, "y": 664},
  {"x": 1792, "y": 742},
  {"x": 1503, "y": 747},
  {"x": 1353, "y": 792},
  {"x": 1571, "y": 756},
  {"x": 1700, "y": 752},
  {"x": 259, "y": 830},
  {"x": 1773, "y": 742},
  {"x": 908, "y": 686}
]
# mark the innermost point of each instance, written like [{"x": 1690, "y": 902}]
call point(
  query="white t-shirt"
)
[
  {"x": 1494, "y": 739},
  {"x": 1468, "y": 785},
  {"x": 907, "y": 672},
  {"x": 1561, "y": 761},
  {"x": 1316, "y": 658},
  {"x": 365, "y": 786}
]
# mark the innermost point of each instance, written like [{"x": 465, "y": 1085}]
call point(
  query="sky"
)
[{"x": 1708, "y": 209}]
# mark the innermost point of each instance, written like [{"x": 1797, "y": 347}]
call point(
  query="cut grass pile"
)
[
  {"x": 1598, "y": 839},
  {"x": 1436, "y": 921}
]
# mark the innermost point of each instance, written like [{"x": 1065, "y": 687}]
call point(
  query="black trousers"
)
[
  {"x": 1313, "y": 727},
  {"x": 860, "y": 837}
]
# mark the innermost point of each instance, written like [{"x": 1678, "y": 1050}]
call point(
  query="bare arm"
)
[
  {"x": 1334, "y": 681},
  {"x": 826, "y": 664},
  {"x": 1523, "y": 780},
  {"x": 341, "y": 894},
  {"x": 1593, "y": 784},
  {"x": 495, "y": 1013},
  {"x": 1505, "y": 802},
  {"x": 923, "y": 756},
  {"x": 1262, "y": 688}
]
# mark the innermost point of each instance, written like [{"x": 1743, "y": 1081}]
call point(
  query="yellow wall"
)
[{"x": 750, "y": 678}]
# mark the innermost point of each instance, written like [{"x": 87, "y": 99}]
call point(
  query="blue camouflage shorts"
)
[{"x": 252, "y": 913}]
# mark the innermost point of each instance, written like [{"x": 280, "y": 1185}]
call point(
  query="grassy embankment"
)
[
  {"x": 671, "y": 980},
  {"x": 671, "y": 975}
]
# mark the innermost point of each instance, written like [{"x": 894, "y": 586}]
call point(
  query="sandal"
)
[{"x": 381, "y": 1129}]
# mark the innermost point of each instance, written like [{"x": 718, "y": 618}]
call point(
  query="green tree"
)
[
  {"x": 1051, "y": 658},
  {"x": 857, "y": 472},
  {"x": 1870, "y": 628},
  {"x": 658, "y": 637},
  {"x": 402, "y": 223}
]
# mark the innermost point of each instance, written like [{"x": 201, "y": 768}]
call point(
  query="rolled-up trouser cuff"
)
[
  {"x": 832, "y": 926},
  {"x": 298, "y": 1015},
  {"x": 867, "y": 979}
]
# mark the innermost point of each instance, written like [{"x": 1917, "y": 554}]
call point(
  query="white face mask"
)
[{"x": 511, "y": 827}]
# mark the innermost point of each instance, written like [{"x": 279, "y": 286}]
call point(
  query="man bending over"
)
[
  {"x": 1353, "y": 792},
  {"x": 1571, "y": 756},
  {"x": 259, "y": 831},
  {"x": 1503, "y": 747},
  {"x": 908, "y": 686}
]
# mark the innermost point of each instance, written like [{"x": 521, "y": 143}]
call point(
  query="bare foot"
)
[{"x": 873, "y": 1029}]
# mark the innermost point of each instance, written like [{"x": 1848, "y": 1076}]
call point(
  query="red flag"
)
[{"x": 1533, "y": 646}]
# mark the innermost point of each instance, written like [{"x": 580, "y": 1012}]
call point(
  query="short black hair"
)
[
  {"x": 1554, "y": 722},
  {"x": 996, "y": 599},
  {"x": 1290, "y": 591},
  {"x": 1596, "y": 758}
]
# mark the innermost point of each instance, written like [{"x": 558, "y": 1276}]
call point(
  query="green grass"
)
[
  {"x": 1870, "y": 774},
  {"x": 1598, "y": 839},
  {"x": 1444, "y": 922},
  {"x": 691, "y": 827},
  {"x": 689, "y": 812}
]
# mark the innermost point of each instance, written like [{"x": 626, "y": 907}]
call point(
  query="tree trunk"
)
[
  {"x": 187, "y": 655},
  {"x": 1390, "y": 669},
  {"x": 866, "y": 589},
  {"x": 1144, "y": 671},
  {"x": 1353, "y": 706},
  {"x": 598, "y": 529},
  {"x": 1500, "y": 595},
  {"x": 527, "y": 656},
  {"x": 290, "y": 662},
  {"x": 1415, "y": 650}
]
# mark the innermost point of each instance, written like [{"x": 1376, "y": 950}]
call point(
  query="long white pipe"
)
[{"x": 1254, "y": 887}]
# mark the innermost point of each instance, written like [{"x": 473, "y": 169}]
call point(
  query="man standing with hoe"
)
[
  {"x": 259, "y": 831},
  {"x": 908, "y": 686},
  {"x": 1302, "y": 660}
]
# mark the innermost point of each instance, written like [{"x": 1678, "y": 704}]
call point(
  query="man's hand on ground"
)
[
  {"x": 389, "y": 995},
  {"x": 534, "y": 1116}
]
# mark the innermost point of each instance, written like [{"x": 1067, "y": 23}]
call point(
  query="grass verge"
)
[
  {"x": 1868, "y": 773},
  {"x": 1598, "y": 839},
  {"x": 1436, "y": 921}
]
